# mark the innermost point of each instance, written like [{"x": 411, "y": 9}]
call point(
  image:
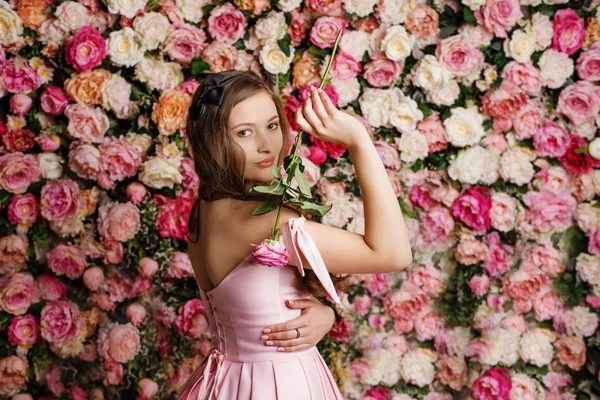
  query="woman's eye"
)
[
  {"x": 276, "y": 125},
  {"x": 241, "y": 133}
]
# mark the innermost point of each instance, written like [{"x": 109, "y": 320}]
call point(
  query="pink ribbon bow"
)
[
  {"x": 294, "y": 232},
  {"x": 211, "y": 376}
]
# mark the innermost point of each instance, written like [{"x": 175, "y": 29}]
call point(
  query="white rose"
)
[
  {"x": 348, "y": 90},
  {"x": 52, "y": 32},
  {"x": 115, "y": 96},
  {"x": 444, "y": 94},
  {"x": 541, "y": 26},
  {"x": 159, "y": 75},
  {"x": 594, "y": 148},
  {"x": 340, "y": 214},
  {"x": 464, "y": 127},
  {"x": 587, "y": 217},
  {"x": 125, "y": 47},
  {"x": 355, "y": 43},
  {"x": 580, "y": 321},
  {"x": 417, "y": 367},
  {"x": 11, "y": 26},
  {"x": 153, "y": 29},
  {"x": 159, "y": 172},
  {"x": 521, "y": 46},
  {"x": 503, "y": 347},
  {"x": 394, "y": 12},
  {"x": 376, "y": 106},
  {"x": 430, "y": 72},
  {"x": 397, "y": 43},
  {"x": 405, "y": 113},
  {"x": 288, "y": 5},
  {"x": 72, "y": 15},
  {"x": 362, "y": 8},
  {"x": 272, "y": 28},
  {"x": 127, "y": 8},
  {"x": 457, "y": 340},
  {"x": 385, "y": 367},
  {"x": 555, "y": 68},
  {"x": 516, "y": 167},
  {"x": 536, "y": 347},
  {"x": 474, "y": 5},
  {"x": 412, "y": 146},
  {"x": 190, "y": 10},
  {"x": 50, "y": 165},
  {"x": 475, "y": 165},
  {"x": 523, "y": 388},
  {"x": 274, "y": 59}
]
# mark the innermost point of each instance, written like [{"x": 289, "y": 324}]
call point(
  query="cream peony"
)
[
  {"x": 127, "y": 8},
  {"x": 159, "y": 172},
  {"x": 464, "y": 127},
  {"x": 516, "y": 167},
  {"x": 362, "y": 8},
  {"x": 405, "y": 113},
  {"x": 413, "y": 146},
  {"x": 274, "y": 59},
  {"x": 153, "y": 29},
  {"x": 536, "y": 347},
  {"x": 430, "y": 73},
  {"x": 159, "y": 75},
  {"x": 11, "y": 26},
  {"x": 475, "y": 165},
  {"x": 397, "y": 43},
  {"x": 191, "y": 10},
  {"x": 125, "y": 47},
  {"x": 50, "y": 165},
  {"x": 521, "y": 46},
  {"x": 355, "y": 43},
  {"x": 417, "y": 366},
  {"x": 555, "y": 68}
]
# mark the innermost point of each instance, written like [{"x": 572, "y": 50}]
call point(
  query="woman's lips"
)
[{"x": 266, "y": 163}]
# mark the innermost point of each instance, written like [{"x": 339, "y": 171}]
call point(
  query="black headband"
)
[{"x": 213, "y": 92}]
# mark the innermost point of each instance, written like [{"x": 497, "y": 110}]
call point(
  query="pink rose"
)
[
  {"x": 571, "y": 352},
  {"x": 580, "y": 102},
  {"x": 453, "y": 372},
  {"x": 546, "y": 306},
  {"x": 459, "y": 56},
  {"x": 60, "y": 322},
  {"x": 588, "y": 64},
  {"x": 594, "y": 243},
  {"x": 332, "y": 8},
  {"x": 345, "y": 66},
  {"x": 23, "y": 209},
  {"x": 525, "y": 283},
  {"x": 551, "y": 140},
  {"x": 378, "y": 393},
  {"x": 428, "y": 278},
  {"x": 545, "y": 256},
  {"x": 434, "y": 131},
  {"x": 93, "y": 278},
  {"x": 20, "y": 103},
  {"x": 191, "y": 319},
  {"x": 185, "y": 41},
  {"x": 297, "y": 27},
  {"x": 120, "y": 159},
  {"x": 362, "y": 305},
  {"x": 575, "y": 161},
  {"x": 114, "y": 373},
  {"x": 548, "y": 210},
  {"x": 17, "y": 293},
  {"x": 24, "y": 331},
  {"x": 13, "y": 253},
  {"x": 118, "y": 221},
  {"x": 497, "y": 260},
  {"x": 173, "y": 215},
  {"x": 527, "y": 121},
  {"x": 48, "y": 142},
  {"x": 61, "y": 200},
  {"x": 148, "y": 389},
  {"x": 53, "y": 100},
  {"x": 18, "y": 171},
  {"x": 86, "y": 123},
  {"x": 51, "y": 288},
  {"x": 470, "y": 251},
  {"x": 342, "y": 331},
  {"x": 569, "y": 31},
  {"x": 190, "y": 179},
  {"x": 428, "y": 325},
  {"x": 119, "y": 342},
  {"x": 438, "y": 225},
  {"x": 317, "y": 155},
  {"x": 505, "y": 101},
  {"x": 335, "y": 150},
  {"x": 19, "y": 77},
  {"x": 180, "y": 266},
  {"x": 473, "y": 208},
  {"x": 136, "y": 192},
  {"x": 493, "y": 384},
  {"x": 382, "y": 72},
  {"x": 136, "y": 313},
  {"x": 423, "y": 21},
  {"x": 18, "y": 140},
  {"x": 85, "y": 160},
  {"x": 406, "y": 303},
  {"x": 226, "y": 24},
  {"x": 325, "y": 30},
  {"x": 503, "y": 212},
  {"x": 86, "y": 50},
  {"x": 479, "y": 284},
  {"x": 148, "y": 267},
  {"x": 499, "y": 16},
  {"x": 68, "y": 260},
  {"x": 524, "y": 75},
  {"x": 271, "y": 253},
  {"x": 220, "y": 56},
  {"x": 389, "y": 155}
]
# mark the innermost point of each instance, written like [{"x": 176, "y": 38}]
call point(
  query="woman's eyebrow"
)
[{"x": 251, "y": 124}]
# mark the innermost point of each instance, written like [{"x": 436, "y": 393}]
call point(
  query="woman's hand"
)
[
  {"x": 314, "y": 323},
  {"x": 319, "y": 117}
]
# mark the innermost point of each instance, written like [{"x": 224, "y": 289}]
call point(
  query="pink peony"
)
[
  {"x": 588, "y": 64},
  {"x": 13, "y": 375},
  {"x": 190, "y": 179},
  {"x": 497, "y": 260},
  {"x": 148, "y": 389},
  {"x": 17, "y": 293},
  {"x": 85, "y": 160},
  {"x": 13, "y": 253},
  {"x": 525, "y": 283},
  {"x": 20, "y": 103},
  {"x": 120, "y": 159},
  {"x": 575, "y": 161},
  {"x": 271, "y": 253},
  {"x": 60, "y": 322},
  {"x": 332, "y": 8},
  {"x": 428, "y": 278},
  {"x": 60, "y": 200},
  {"x": 505, "y": 101},
  {"x": 434, "y": 131},
  {"x": 180, "y": 266},
  {"x": 68, "y": 260},
  {"x": 93, "y": 278},
  {"x": 18, "y": 77},
  {"x": 527, "y": 121},
  {"x": 580, "y": 102},
  {"x": 21, "y": 140},
  {"x": 86, "y": 123},
  {"x": 114, "y": 373},
  {"x": 185, "y": 41},
  {"x": 325, "y": 30},
  {"x": 345, "y": 66},
  {"x": 594, "y": 243},
  {"x": 438, "y": 225},
  {"x": 342, "y": 331},
  {"x": 459, "y": 56},
  {"x": 226, "y": 24},
  {"x": 493, "y": 384},
  {"x": 118, "y": 342},
  {"x": 479, "y": 284},
  {"x": 524, "y": 75},
  {"x": 569, "y": 31},
  {"x": 118, "y": 221},
  {"x": 86, "y": 50},
  {"x": 381, "y": 72},
  {"x": 191, "y": 319},
  {"x": 551, "y": 140},
  {"x": 499, "y": 16},
  {"x": 548, "y": 210},
  {"x": 53, "y": 100},
  {"x": 51, "y": 288},
  {"x": 473, "y": 208},
  {"x": 136, "y": 313},
  {"x": 406, "y": 303},
  {"x": 18, "y": 171},
  {"x": 173, "y": 215}
]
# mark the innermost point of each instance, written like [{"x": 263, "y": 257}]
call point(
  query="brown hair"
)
[{"x": 219, "y": 161}]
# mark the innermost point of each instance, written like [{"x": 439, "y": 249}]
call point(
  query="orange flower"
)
[
  {"x": 170, "y": 112},
  {"x": 32, "y": 12},
  {"x": 86, "y": 87}
]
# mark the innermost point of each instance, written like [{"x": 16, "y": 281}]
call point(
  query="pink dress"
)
[{"x": 240, "y": 366}]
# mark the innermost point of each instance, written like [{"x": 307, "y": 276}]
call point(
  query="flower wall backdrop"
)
[{"x": 485, "y": 114}]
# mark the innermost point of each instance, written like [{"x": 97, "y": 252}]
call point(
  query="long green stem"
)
[{"x": 292, "y": 163}]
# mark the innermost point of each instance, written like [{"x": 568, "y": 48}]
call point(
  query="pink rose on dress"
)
[
  {"x": 588, "y": 64},
  {"x": 569, "y": 31},
  {"x": 118, "y": 221},
  {"x": 494, "y": 384},
  {"x": 23, "y": 332},
  {"x": 226, "y": 24},
  {"x": 499, "y": 16},
  {"x": 191, "y": 319},
  {"x": 473, "y": 208},
  {"x": 580, "y": 102},
  {"x": 325, "y": 30},
  {"x": 18, "y": 171},
  {"x": 13, "y": 253},
  {"x": 459, "y": 56},
  {"x": 61, "y": 200},
  {"x": 86, "y": 50},
  {"x": 19, "y": 77},
  {"x": 68, "y": 260},
  {"x": 185, "y": 41},
  {"x": 271, "y": 253},
  {"x": 551, "y": 140},
  {"x": 17, "y": 293},
  {"x": 119, "y": 342},
  {"x": 53, "y": 100},
  {"x": 381, "y": 72}
]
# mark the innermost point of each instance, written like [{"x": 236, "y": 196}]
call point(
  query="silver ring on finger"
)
[{"x": 298, "y": 331}]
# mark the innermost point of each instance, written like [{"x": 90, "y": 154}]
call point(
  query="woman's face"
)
[{"x": 254, "y": 125}]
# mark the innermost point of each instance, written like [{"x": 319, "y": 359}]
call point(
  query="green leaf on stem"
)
[
  {"x": 276, "y": 188},
  {"x": 315, "y": 209},
  {"x": 302, "y": 183},
  {"x": 276, "y": 172},
  {"x": 268, "y": 205},
  {"x": 468, "y": 15}
]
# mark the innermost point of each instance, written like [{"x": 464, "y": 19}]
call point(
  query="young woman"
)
[{"x": 237, "y": 129}]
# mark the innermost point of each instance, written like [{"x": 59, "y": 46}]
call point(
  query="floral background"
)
[{"x": 485, "y": 114}]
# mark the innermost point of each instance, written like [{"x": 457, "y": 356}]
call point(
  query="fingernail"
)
[
  {"x": 312, "y": 88},
  {"x": 269, "y": 343},
  {"x": 291, "y": 301},
  {"x": 266, "y": 330},
  {"x": 264, "y": 337},
  {"x": 281, "y": 349},
  {"x": 320, "y": 90}
]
